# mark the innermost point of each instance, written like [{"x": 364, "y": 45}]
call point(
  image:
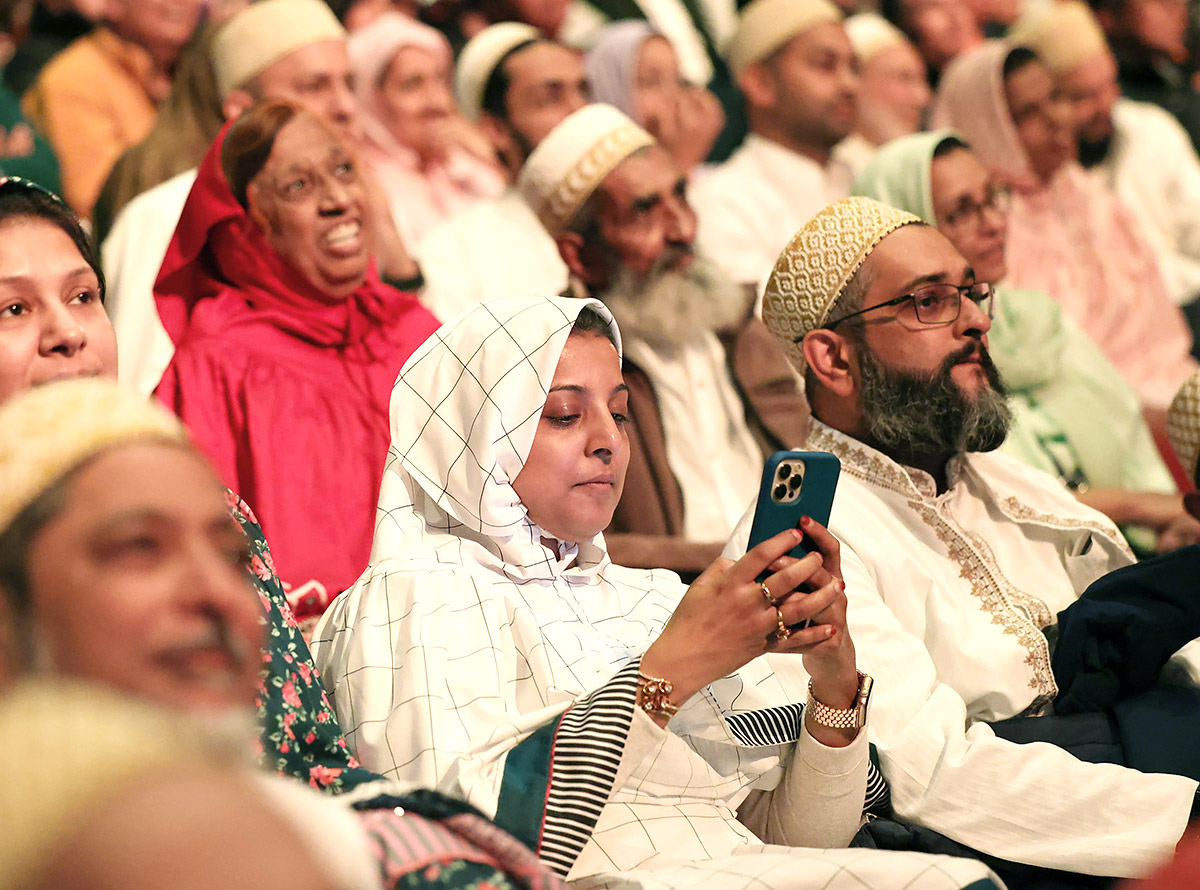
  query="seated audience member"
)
[
  {"x": 294, "y": 50},
  {"x": 1068, "y": 237},
  {"x": 50, "y": 27},
  {"x": 122, "y": 566},
  {"x": 516, "y": 85},
  {"x": 941, "y": 30},
  {"x": 287, "y": 342},
  {"x": 610, "y": 717},
  {"x": 1074, "y": 416},
  {"x": 186, "y": 124},
  {"x": 427, "y": 159},
  {"x": 1150, "y": 40},
  {"x": 635, "y": 69},
  {"x": 709, "y": 386},
  {"x": 893, "y": 94},
  {"x": 956, "y": 560},
  {"x": 1136, "y": 150},
  {"x": 797, "y": 70},
  {"x": 107, "y": 813},
  {"x": 100, "y": 95},
  {"x": 56, "y": 328}
]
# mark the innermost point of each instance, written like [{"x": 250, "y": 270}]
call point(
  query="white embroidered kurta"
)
[
  {"x": 131, "y": 256},
  {"x": 494, "y": 248},
  {"x": 475, "y": 658},
  {"x": 1153, "y": 168},
  {"x": 750, "y": 206},
  {"x": 948, "y": 596},
  {"x": 709, "y": 446}
]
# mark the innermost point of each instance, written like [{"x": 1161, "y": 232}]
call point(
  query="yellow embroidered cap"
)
[
  {"x": 819, "y": 262},
  {"x": 766, "y": 25},
  {"x": 871, "y": 33},
  {"x": 1183, "y": 424},
  {"x": 47, "y": 431},
  {"x": 1066, "y": 34},
  {"x": 573, "y": 159}
]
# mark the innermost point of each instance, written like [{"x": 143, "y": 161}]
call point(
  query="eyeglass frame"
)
[
  {"x": 962, "y": 289},
  {"x": 998, "y": 200}
]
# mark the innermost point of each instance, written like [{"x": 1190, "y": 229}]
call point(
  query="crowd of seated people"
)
[{"x": 450, "y": 340}]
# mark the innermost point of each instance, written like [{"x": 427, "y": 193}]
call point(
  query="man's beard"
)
[
  {"x": 918, "y": 415},
  {"x": 673, "y": 305}
]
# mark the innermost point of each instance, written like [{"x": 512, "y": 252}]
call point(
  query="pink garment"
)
[
  {"x": 284, "y": 388},
  {"x": 421, "y": 193},
  {"x": 1071, "y": 238}
]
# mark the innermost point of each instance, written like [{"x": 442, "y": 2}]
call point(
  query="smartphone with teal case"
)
[{"x": 794, "y": 484}]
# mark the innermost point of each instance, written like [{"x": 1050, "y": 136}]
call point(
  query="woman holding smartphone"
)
[{"x": 621, "y": 724}]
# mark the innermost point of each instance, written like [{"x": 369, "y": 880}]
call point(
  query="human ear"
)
[
  {"x": 758, "y": 86},
  {"x": 235, "y": 103},
  {"x": 582, "y": 259},
  {"x": 500, "y": 135},
  {"x": 830, "y": 357}
]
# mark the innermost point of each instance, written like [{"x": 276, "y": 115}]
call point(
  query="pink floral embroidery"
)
[{"x": 289, "y": 694}]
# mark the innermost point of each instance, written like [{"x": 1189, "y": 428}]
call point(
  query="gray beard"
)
[
  {"x": 913, "y": 415},
  {"x": 670, "y": 306}
]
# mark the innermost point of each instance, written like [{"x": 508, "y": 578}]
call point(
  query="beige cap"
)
[
  {"x": 869, "y": 33},
  {"x": 766, "y": 25},
  {"x": 1183, "y": 424},
  {"x": 1064, "y": 35},
  {"x": 263, "y": 33},
  {"x": 573, "y": 159},
  {"x": 479, "y": 59},
  {"x": 47, "y": 431},
  {"x": 819, "y": 262}
]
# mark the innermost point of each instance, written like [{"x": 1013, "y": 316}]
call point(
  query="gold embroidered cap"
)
[
  {"x": 871, "y": 33},
  {"x": 573, "y": 159},
  {"x": 47, "y": 431},
  {"x": 263, "y": 33},
  {"x": 819, "y": 262},
  {"x": 1183, "y": 424},
  {"x": 1065, "y": 35},
  {"x": 479, "y": 59},
  {"x": 766, "y": 25}
]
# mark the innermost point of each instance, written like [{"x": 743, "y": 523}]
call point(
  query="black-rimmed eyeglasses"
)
[{"x": 931, "y": 306}]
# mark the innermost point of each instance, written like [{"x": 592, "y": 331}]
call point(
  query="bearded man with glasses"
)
[{"x": 957, "y": 560}]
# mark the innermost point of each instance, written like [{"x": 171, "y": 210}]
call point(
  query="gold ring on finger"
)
[
  {"x": 782, "y": 631},
  {"x": 766, "y": 592}
]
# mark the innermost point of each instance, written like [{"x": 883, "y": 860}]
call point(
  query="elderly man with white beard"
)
[{"x": 711, "y": 391}]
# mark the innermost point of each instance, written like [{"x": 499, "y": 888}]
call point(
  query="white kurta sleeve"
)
[
  {"x": 818, "y": 803},
  {"x": 1032, "y": 803}
]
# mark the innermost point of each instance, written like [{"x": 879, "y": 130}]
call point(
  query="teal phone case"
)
[{"x": 782, "y": 501}]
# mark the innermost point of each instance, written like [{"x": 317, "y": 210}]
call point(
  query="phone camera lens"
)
[
  {"x": 784, "y": 471},
  {"x": 780, "y": 492},
  {"x": 794, "y": 482}
]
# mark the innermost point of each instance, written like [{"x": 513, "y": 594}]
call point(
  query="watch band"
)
[{"x": 853, "y": 717}]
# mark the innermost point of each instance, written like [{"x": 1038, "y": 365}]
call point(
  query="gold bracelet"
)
[{"x": 654, "y": 696}]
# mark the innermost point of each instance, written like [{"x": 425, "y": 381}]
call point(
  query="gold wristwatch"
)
[{"x": 853, "y": 717}]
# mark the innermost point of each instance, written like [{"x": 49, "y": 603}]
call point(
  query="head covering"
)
[
  {"x": 464, "y": 411},
  {"x": 611, "y": 63},
  {"x": 971, "y": 100},
  {"x": 479, "y": 58},
  {"x": 263, "y": 33},
  {"x": 870, "y": 33},
  {"x": 1063, "y": 35},
  {"x": 819, "y": 262},
  {"x": 47, "y": 431},
  {"x": 217, "y": 246},
  {"x": 1183, "y": 424},
  {"x": 573, "y": 159},
  {"x": 766, "y": 25},
  {"x": 899, "y": 173},
  {"x": 372, "y": 49}
]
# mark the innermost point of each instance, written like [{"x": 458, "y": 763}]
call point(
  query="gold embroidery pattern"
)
[
  {"x": 1014, "y": 509},
  {"x": 977, "y": 565}
]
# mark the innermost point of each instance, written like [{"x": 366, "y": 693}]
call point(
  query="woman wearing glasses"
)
[{"x": 1074, "y": 416}]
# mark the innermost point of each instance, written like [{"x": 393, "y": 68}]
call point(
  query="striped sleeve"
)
[{"x": 558, "y": 779}]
